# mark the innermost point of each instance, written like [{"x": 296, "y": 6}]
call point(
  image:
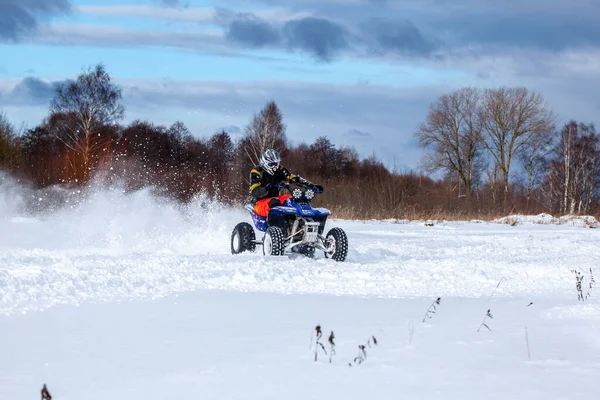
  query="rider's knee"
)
[{"x": 274, "y": 202}]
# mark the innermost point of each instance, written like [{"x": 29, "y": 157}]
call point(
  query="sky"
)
[{"x": 361, "y": 72}]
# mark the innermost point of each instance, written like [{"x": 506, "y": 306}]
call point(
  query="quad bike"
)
[{"x": 294, "y": 227}]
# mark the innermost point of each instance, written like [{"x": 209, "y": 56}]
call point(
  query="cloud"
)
[
  {"x": 321, "y": 37},
  {"x": 358, "y": 133},
  {"x": 171, "y": 3},
  {"x": 196, "y": 14},
  {"x": 30, "y": 91},
  {"x": 74, "y": 34},
  {"x": 548, "y": 32},
  {"x": 480, "y": 26},
  {"x": 399, "y": 36},
  {"x": 21, "y": 17},
  {"x": 374, "y": 30},
  {"x": 232, "y": 130},
  {"x": 249, "y": 30}
]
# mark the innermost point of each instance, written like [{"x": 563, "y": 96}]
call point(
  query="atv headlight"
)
[
  {"x": 309, "y": 194},
  {"x": 297, "y": 193}
]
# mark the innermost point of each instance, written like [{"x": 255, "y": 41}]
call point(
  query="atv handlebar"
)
[{"x": 287, "y": 186}]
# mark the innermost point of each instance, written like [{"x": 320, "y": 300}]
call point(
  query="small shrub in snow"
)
[
  {"x": 488, "y": 314},
  {"x": 432, "y": 309}
]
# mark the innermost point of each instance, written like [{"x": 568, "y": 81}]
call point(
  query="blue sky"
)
[{"x": 362, "y": 72}]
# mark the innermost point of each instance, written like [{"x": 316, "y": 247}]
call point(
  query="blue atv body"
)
[{"x": 294, "y": 227}]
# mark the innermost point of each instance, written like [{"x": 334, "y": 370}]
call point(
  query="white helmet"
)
[{"x": 270, "y": 160}]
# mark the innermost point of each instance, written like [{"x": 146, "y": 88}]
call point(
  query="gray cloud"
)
[
  {"x": 30, "y": 91},
  {"x": 173, "y": 3},
  {"x": 359, "y": 29},
  {"x": 84, "y": 35},
  {"x": 249, "y": 30},
  {"x": 358, "y": 133},
  {"x": 399, "y": 36},
  {"x": 483, "y": 26},
  {"x": 547, "y": 32},
  {"x": 67, "y": 34},
  {"x": 21, "y": 17},
  {"x": 321, "y": 37},
  {"x": 232, "y": 130}
]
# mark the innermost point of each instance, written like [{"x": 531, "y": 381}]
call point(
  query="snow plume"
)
[
  {"x": 110, "y": 218},
  {"x": 11, "y": 196}
]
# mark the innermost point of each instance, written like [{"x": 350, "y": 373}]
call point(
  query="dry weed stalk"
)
[
  {"x": 488, "y": 314},
  {"x": 319, "y": 335},
  {"x": 527, "y": 341},
  {"x": 495, "y": 290},
  {"x": 45, "y": 393},
  {"x": 579, "y": 284},
  {"x": 331, "y": 346},
  {"x": 430, "y": 311},
  {"x": 578, "y": 280},
  {"x": 362, "y": 351}
]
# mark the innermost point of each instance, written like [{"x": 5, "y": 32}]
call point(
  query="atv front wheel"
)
[
  {"x": 242, "y": 238},
  {"x": 274, "y": 243},
  {"x": 337, "y": 244}
]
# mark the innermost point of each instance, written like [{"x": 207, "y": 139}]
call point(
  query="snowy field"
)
[{"x": 117, "y": 296}]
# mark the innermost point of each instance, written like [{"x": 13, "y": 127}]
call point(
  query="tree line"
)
[
  {"x": 480, "y": 137},
  {"x": 486, "y": 153}
]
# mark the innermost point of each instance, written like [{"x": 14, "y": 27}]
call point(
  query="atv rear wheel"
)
[
  {"x": 337, "y": 243},
  {"x": 242, "y": 238},
  {"x": 274, "y": 242}
]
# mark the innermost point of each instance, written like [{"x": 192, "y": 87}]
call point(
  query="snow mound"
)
[{"x": 579, "y": 221}]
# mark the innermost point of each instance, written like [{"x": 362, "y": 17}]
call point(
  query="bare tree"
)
[
  {"x": 87, "y": 104},
  {"x": 512, "y": 118},
  {"x": 453, "y": 130},
  {"x": 534, "y": 161},
  {"x": 266, "y": 130},
  {"x": 572, "y": 183}
]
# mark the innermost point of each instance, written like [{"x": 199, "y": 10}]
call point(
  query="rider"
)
[{"x": 264, "y": 179}]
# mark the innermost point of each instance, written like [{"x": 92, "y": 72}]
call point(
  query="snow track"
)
[
  {"x": 104, "y": 245},
  {"x": 112, "y": 247}
]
